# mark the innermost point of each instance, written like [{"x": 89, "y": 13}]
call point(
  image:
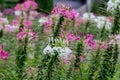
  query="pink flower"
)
[
  {"x": 70, "y": 37},
  {"x": 3, "y": 55},
  {"x": 1, "y": 14},
  {"x": 90, "y": 42},
  {"x": 9, "y": 28},
  {"x": 104, "y": 46},
  {"x": 22, "y": 35},
  {"x": 15, "y": 22},
  {"x": 34, "y": 5},
  {"x": 27, "y": 23},
  {"x": 27, "y": 33},
  {"x": 33, "y": 13},
  {"x": 26, "y": 6},
  {"x": 77, "y": 38},
  {"x": 89, "y": 36},
  {"x": 65, "y": 11},
  {"x": 29, "y": 5},
  {"x": 18, "y": 7},
  {"x": 72, "y": 14},
  {"x": 48, "y": 23}
]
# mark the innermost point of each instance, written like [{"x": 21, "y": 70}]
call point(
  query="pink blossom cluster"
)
[
  {"x": 6, "y": 27},
  {"x": 27, "y": 33},
  {"x": 27, "y": 5},
  {"x": 48, "y": 23},
  {"x": 80, "y": 21},
  {"x": 104, "y": 46},
  {"x": 90, "y": 42},
  {"x": 3, "y": 54},
  {"x": 27, "y": 23},
  {"x": 72, "y": 37},
  {"x": 33, "y": 15},
  {"x": 68, "y": 13}
]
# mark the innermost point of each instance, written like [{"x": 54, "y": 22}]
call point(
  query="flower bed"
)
[{"x": 61, "y": 45}]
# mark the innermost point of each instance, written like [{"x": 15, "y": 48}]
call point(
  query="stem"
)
[
  {"x": 86, "y": 27},
  {"x": 102, "y": 31},
  {"x": 51, "y": 65},
  {"x": 57, "y": 28},
  {"x": 94, "y": 65},
  {"x": 41, "y": 66},
  {"x": 76, "y": 63},
  {"x": 106, "y": 63},
  {"x": 21, "y": 57},
  {"x": 116, "y": 27},
  {"x": 115, "y": 58},
  {"x": 1, "y": 33}
]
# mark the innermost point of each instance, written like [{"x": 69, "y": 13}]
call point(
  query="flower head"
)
[{"x": 3, "y": 54}]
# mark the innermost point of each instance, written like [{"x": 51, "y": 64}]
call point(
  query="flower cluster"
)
[
  {"x": 71, "y": 37},
  {"x": 100, "y": 21},
  {"x": 6, "y": 27},
  {"x": 90, "y": 42},
  {"x": 47, "y": 22},
  {"x": 3, "y": 54},
  {"x": 60, "y": 46},
  {"x": 21, "y": 9},
  {"x": 112, "y": 5},
  {"x": 65, "y": 11},
  {"x": 27, "y": 33},
  {"x": 27, "y": 5}
]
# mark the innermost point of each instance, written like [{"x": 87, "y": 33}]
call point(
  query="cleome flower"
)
[
  {"x": 58, "y": 45},
  {"x": 27, "y": 5},
  {"x": 27, "y": 33},
  {"x": 3, "y": 54},
  {"x": 112, "y": 5},
  {"x": 100, "y": 21},
  {"x": 65, "y": 11}
]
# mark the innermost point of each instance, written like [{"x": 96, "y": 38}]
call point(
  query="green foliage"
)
[
  {"x": 8, "y": 3},
  {"x": 45, "y": 6}
]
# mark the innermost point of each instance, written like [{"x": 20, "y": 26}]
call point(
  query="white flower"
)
[
  {"x": 66, "y": 52},
  {"x": 43, "y": 20},
  {"x": 18, "y": 13},
  {"x": 108, "y": 25},
  {"x": 112, "y": 5},
  {"x": 48, "y": 50},
  {"x": 4, "y": 21},
  {"x": 101, "y": 21},
  {"x": 58, "y": 49},
  {"x": 89, "y": 16}
]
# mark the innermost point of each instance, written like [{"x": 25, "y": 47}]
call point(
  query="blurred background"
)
[{"x": 47, "y": 5}]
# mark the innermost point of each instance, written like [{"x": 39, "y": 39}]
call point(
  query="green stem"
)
[
  {"x": 116, "y": 27},
  {"x": 103, "y": 31},
  {"x": 106, "y": 63},
  {"x": 86, "y": 27},
  {"x": 51, "y": 66},
  {"x": 57, "y": 28},
  {"x": 1, "y": 33},
  {"x": 94, "y": 65},
  {"x": 21, "y": 57}
]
